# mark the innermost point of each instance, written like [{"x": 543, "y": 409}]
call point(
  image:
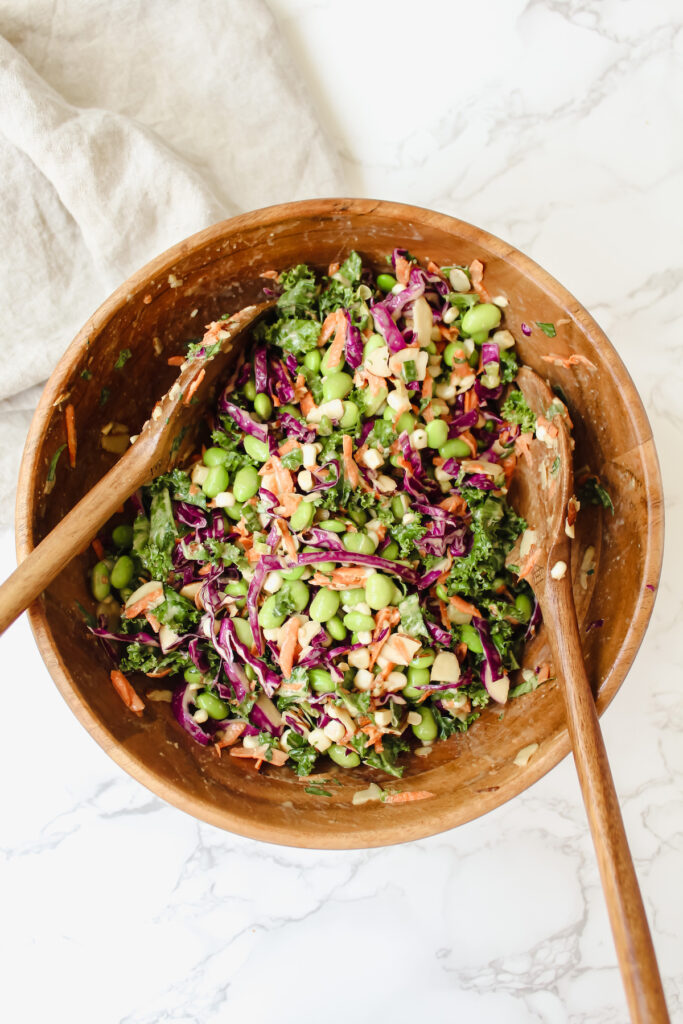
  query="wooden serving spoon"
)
[
  {"x": 541, "y": 491},
  {"x": 168, "y": 437}
]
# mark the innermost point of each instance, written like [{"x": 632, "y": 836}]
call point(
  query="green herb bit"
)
[
  {"x": 52, "y": 468},
  {"x": 86, "y": 374},
  {"x": 124, "y": 356},
  {"x": 316, "y": 791},
  {"x": 104, "y": 396},
  {"x": 548, "y": 329}
]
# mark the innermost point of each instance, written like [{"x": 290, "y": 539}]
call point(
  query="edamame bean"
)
[
  {"x": 299, "y": 593},
  {"x": 122, "y": 536},
  {"x": 192, "y": 675},
  {"x": 268, "y": 617},
  {"x": 396, "y": 460},
  {"x": 374, "y": 342},
  {"x": 441, "y": 592},
  {"x": 379, "y": 591},
  {"x": 236, "y": 589},
  {"x": 320, "y": 566},
  {"x": 122, "y": 573},
  {"x": 454, "y": 449},
  {"x": 373, "y": 403},
  {"x": 390, "y": 552},
  {"x": 246, "y": 484},
  {"x": 244, "y": 633},
  {"x": 385, "y": 282},
  {"x": 469, "y": 636},
  {"x": 99, "y": 581},
  {"x": 321, "y": 680},
  {"x": 406, "y": 422},
  {"x": 354, "y": 596},
  {"x": 483, "y": 317},
  {"x": 213, "y": 705},
  {"x": 360, "y": 517},
  {"x": 399, "y": 505},
  {"x": 263, "y": 406},
  {"x": 350, "y": 417},
  {"x": 312, "y": 360},
  {"x": 293, "y": 574},
  {"x": 359, "y": 543},
  {"x": 234, "y": 512},
  {"x": 324, "y": 605},
  {"x": 418, "y": 676},
  {"x": 249, "y": 391},
  {"x": 256, "y": 449},
  {"x": 335, "y": 525},
  {"x": 215, "y": 456},
  {"x": 302, "y": 517},
  {"x": 388, "y": 414},
  {"x": 427, "y": 729},
  {"x": 437, "y": 433},
  {"x": 249, "y": 672},
  {"x": 358, "y": 622},
  {"x": 331, "y": 371},
  {"x": 524, "y": 607},
  {"x": 216, "y": 481},
  {"x": 423, "y": 660},
  {"x": 336, "y": 628},
  {"x": 343, "y": 756},
  {"x": 293, "y": 411},
  {"x": 479, "y": 337},
  {"x": 337, "y": 385},
  {"x": 449, "y": 356}
]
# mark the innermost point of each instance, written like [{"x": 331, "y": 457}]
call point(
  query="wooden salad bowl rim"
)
[{"x": 408, "y": 821}]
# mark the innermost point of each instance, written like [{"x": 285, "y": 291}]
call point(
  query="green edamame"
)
[
  {"x": 449, "y": 354},
  {"x": 359, "y": 623},
  {"x": 312, "y": 360},
  {"x": 469, "y": 636},
  {"x": 244, "y": 633},
  {"x": 299, "y": 593},
  {"x": 216, "y": 481},
  {"x": 122, "y": 573},
  {"x": 213, "y": 705},
  {"x": 246, "y": 484},
  {"x": 335, "y": 525},
  {"x": 215, "y": 456},
  {"x": 99, "y": 581},
  {"x": 437, "y": 433},
  {"x": 122, "y": 536},
  {"x": 390, "y": 552},
  {"x": 324, "y": 605},
  {"x": 302, "y": 517},
  {"x": 268, "y": 617},
  {"x": 359, "y": 543},
  {"x": 524, "y": 607},
  {"x": 336, "y": 628},
  {"x": 263, "y": 406},
  {"x": 354, "y": 596},
  {"x": 343, "y": 756},
  {"x": 350, "y": 417},
  {"x": 256, "y": 449},
  {"x": 454, "y": 449},
  {"x": 385, "y": 282},
  {"x": 379, "y": 591},
  {"x": 192, "y": 675},
  {"x": 427, "y": 729},
  {"x": 249, "y": 390},
  {"x": 406, "y": 422},
  {"x": 483, "y": 317},
  {"x": 236, "y": 589},
  {"x": 321, "y": 680},
  {"x": 423, "y": 660},
  {"x": 337, "y": 385}
]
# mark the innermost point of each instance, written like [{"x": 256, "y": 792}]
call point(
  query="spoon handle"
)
[
  {"x": 637, "y": 961},
  {"x": 70, "y": 536}
]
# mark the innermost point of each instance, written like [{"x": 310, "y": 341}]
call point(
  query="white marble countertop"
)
[{"x": 556, "y": 125}]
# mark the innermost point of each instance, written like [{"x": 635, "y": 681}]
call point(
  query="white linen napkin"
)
[{"x": 124, "y": 128}]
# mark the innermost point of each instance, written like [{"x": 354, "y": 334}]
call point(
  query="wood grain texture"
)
[
  {"x": 165, "y": 440},
  {"x": 541, "y": 497},
  {"x": 153, "y": 315}
]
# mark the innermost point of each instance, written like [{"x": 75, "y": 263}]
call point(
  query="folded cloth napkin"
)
[{"x": 123, "y": 128}]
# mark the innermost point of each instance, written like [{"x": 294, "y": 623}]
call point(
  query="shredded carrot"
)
[
  {"x": 288, "y": 446},
  {"x": 508, "y": 465},
  {"x": 477, "y": 275},
  {"x": 159, "y": 675},
  {"x": 573, "y": 360},
  {"x": 175, "y": 360},
  {"x": 471, "y": 400},
  {"x": 144, "y": 603},
  {"x": 287, "y": 538},
  {"x": 464, "y": 606},
  {"x": 467, "y": 437},
  {"x": 336, "y": 349},
  {"x": 427, "y": 386},
  {"x": 306, "y": 404},
  {"x": 70, "y": 420},
  {"x": 332, "y": 269},
  {"x": 193, "y": 386},
  {"x": 455, "y": 504},
  {"x": 153, "y": 621},
  {"x": 350, "y": 467},
  {"x": 533, "y": 557},
  {"x": 278, "y": 757},
  {"x": 288, "y": 641},
  {"x": 126, "y": 692},
  {"x": 407, "y": 796},
  {"x": 231, "y": 734},
  {"x": 443, "y": 612},
  {"x": 550, "y": 428},
  {"x": 402, "y": 268},
  {"x": 543, "y": 673},
  {"x": 96, "y": 545},
  {"x": 271, "y": 275}
]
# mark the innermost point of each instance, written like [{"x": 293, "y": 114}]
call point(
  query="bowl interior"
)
[{"x": 166, "y": 304}]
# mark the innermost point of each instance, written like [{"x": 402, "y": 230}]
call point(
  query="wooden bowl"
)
[{"x": 216, "y": 271}]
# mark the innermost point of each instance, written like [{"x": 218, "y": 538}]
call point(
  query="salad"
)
[{"x": 327, "y": 578}]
